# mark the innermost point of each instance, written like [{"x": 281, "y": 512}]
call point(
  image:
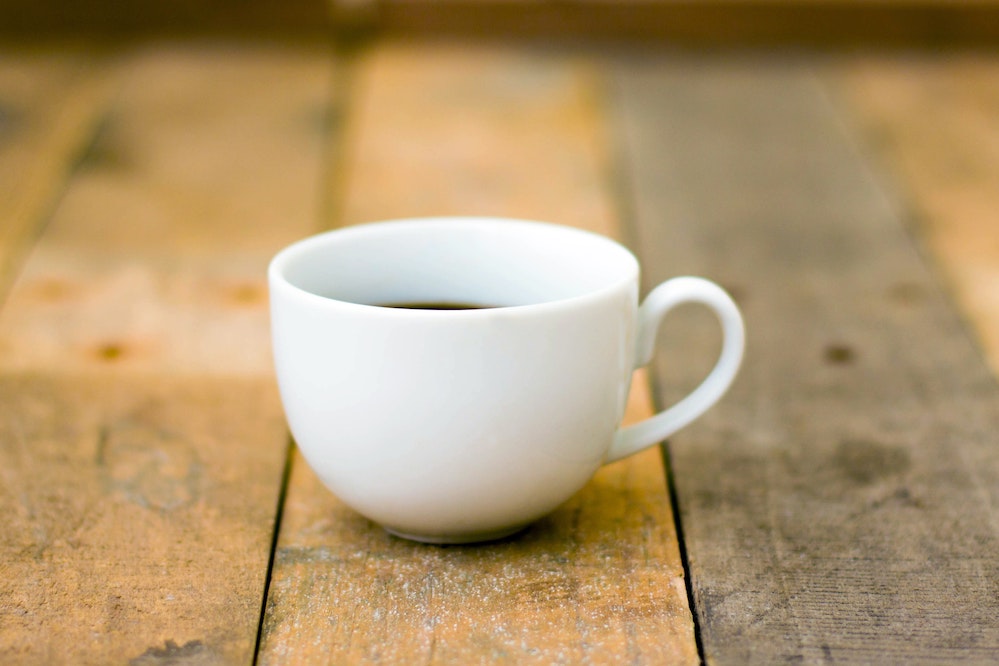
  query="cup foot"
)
[{"x": 455, "y": 539}]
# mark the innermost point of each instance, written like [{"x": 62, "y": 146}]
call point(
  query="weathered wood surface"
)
[
  {"x": 451, "y": 130},
  {"x": 839, "y": 505},
  {"x": 932, "y": 126},
  {"x": 142, "y": 444},
  {"x": 842, "y": 505}
]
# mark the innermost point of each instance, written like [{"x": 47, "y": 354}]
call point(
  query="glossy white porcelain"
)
[{"x": 466, "y": 425}]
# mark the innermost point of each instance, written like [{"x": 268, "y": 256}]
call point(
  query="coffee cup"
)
[{"x": 455, "y": 379}]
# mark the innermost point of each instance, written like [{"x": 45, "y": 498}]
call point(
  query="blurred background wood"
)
[
  {"x": 879, "y": 23},
  {"x": 933, "y": 124},
  {"x": 50, "y": 105},
  {"x": 705, "y": 22}
]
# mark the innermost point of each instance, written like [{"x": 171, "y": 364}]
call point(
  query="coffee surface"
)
[{"x": 442, "y": 305}]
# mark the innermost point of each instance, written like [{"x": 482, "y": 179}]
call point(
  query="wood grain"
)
[
  {"x": 478, "y": 130},
  {"x": 142, "y": 444},
  {"x": 932, "y": 130},
  {"x": 841, "y": 503},
  {"x": 135, "y": 517}
]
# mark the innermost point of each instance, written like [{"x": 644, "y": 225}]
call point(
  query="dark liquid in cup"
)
[{"x": 438, "y": 306}]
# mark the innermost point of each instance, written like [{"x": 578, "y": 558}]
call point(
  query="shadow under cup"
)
[{"x": 454, "y": 425}]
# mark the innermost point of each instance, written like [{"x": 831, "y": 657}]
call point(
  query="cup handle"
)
[{"x": 657, "y": 304}]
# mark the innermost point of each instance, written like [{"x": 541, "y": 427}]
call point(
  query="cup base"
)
[{"x": 457, "y": 539}]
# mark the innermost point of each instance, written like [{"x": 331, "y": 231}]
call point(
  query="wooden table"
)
[{"x": 840, "y": 505}]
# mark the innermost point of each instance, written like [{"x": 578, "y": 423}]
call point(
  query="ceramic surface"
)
[{"x": 466, "y": 425}]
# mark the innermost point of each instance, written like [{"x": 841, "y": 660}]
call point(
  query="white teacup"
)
[{"x": 463, "y": 425}]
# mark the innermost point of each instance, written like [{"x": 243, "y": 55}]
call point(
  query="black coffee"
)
[{"x": 438, "y": 306}]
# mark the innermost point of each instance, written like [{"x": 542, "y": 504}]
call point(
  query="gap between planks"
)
[{"x": 143, "y": 441}]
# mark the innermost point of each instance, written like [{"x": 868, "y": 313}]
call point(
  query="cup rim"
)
[{"x": 280, "y": 262}]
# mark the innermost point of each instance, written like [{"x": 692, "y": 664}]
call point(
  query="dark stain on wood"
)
[
  {"x": 191, "y": 653},
  {"x": 839, "y": 354},
  {"x": 866, "y": 461},
  {"x": 907, "y": 294},
  {"x": 110, "y": 351},
  {"x": 150, "y": 466},
  {"x": 245, "y": 294}
]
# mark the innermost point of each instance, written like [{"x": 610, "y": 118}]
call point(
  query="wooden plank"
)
[
  {"x": 475, "y": 130},
  {"x": 49, "y": 104},
  {"x": 511, "y": 133},
  {"x": 841, "y": 503},
  {"x": 155, "y": 258},
  {"x": 932, "y": 125},
  {"x": 142, "y": 444},
  {"x": 136, "y": 517}
]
